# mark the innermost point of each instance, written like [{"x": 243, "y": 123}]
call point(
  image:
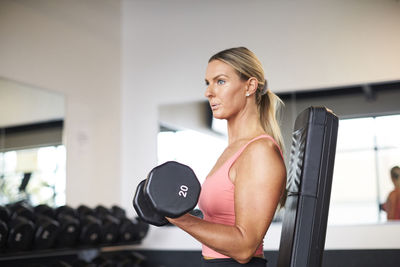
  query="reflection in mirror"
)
[
  {"x": 368, "y": 143},
  {"x": 367, "y": 149},
  {"x": 32, "y": 154}
]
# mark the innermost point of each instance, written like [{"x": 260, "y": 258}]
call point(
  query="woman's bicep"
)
[{"x": 260, "y": 179}]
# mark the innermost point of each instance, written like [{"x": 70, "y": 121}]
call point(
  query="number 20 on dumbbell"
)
[{"x": 170, "y": 190}]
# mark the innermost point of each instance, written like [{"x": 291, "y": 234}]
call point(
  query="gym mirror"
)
[{"x": 32, "y": 154}]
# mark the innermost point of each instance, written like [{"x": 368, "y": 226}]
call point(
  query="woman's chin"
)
[{"x": 218, "y": 117}]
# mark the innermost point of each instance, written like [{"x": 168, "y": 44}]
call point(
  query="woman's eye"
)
[{"x": 220, "y": 82}]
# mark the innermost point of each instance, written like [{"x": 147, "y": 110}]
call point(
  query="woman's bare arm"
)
[
  {"x": 259, "y": 177},
  {"x": 391, "y": 205}
]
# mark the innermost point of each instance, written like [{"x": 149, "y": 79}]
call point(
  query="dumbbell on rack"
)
[
  {"x": 46, "y": 227},
  {"x": 29, "y": 230},
  {"x": 117, "y": 224},
  {"x": 130, "y": 230},
  {"x": 4, "y": 216},
  {"x": 90, "y": 226},
  {"x": 109, "y": 225},
  {"x": 68, "y": 234},
  {"x": 170, "y": 190}
]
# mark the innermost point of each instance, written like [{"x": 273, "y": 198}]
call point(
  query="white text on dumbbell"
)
[{"x": 183, "y": 191}]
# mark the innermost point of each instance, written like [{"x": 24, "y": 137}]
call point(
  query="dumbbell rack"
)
[
  {"x": 42, "y": 235},
  {"x": 86, "y": 253}
]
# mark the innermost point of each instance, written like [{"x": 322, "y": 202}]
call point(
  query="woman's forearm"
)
[{"x": 231, "y": 241}]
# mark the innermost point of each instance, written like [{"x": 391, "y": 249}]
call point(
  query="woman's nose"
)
[{"x": 208, "y": 93}]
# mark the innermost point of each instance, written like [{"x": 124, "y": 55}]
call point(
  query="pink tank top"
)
[{"x": 217, "y": 198}]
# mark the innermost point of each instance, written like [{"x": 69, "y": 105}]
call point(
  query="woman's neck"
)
[{"x": 244, "y": 126}]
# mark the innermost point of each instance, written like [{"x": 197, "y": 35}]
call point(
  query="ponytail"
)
[{"x": 269, "y": 108}]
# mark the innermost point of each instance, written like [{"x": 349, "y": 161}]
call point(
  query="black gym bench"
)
[{"x": 310, "y": 171}]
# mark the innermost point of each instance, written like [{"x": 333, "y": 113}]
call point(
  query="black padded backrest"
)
[{"x": 309, "y": 183}]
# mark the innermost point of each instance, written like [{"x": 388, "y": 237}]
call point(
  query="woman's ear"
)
[{"x": 252, "y": 85}]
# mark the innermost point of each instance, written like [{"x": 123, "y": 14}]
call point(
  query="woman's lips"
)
[{"x": 214, "y": 106}]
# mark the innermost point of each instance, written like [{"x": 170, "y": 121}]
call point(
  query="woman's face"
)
[{"x": 225, "y": 91}]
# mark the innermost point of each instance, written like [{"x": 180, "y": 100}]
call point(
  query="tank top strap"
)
[{"x": 239, "y": 152}]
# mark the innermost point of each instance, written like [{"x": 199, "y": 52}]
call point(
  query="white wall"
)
[
  {"x": 24, "y": 104},
  {"x": 73, "y": 48},
  {"x": 303, "y": 45}
]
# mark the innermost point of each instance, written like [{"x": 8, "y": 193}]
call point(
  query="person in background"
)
[
  {"x": 240, "y": 195},
  {"x": 392, "y": 204}
]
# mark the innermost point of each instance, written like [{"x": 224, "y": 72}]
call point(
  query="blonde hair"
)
[{"x": 247, "y": 65}]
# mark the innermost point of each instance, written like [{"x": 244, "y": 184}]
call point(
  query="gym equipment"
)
[
  {"x": 69, "y": 231},
  {"x": 3, "y": 235},
  {"x": 46, "y": 232},
  {"x": 45, "y": 210},
  {"x": 22, "y": 209},
  {"x": 20, "y": 234},
  {"x": 4, "y": 217},
  {"x": 197, "y": 213},
  {"x": 116, "y": 227},
  {"x": 109, "y": 225},
  {"x": 4, "y": 214},
  {"x": 132, "y": 230},
  {"x": 170, "y": 190},
  {"x": 46, "y": 227},
  {"x": 66, "y": 210},
  {"x": 141, "y": 229},
  {"x": 144, "y": 208},
  {"x": 90, "y": 226},
  {"x": 118, "y": 212},
  {"x": 310, "y": 173}
]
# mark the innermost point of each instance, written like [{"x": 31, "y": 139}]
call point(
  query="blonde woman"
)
[{"x": 241, "y": 194}]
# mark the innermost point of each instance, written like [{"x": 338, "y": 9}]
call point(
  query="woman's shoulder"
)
[
  {"x": 262, "y": 146},
  {"x": 262, "y": 151},
  {"x": 393, "y": 195}
]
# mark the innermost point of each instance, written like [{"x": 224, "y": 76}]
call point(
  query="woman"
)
[
  {"x": 241, "y": 194},
  {"x": 392, "y": 205}
]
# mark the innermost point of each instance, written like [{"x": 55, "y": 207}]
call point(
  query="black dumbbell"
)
[
  {"x": 4, "y": 214},
  {"x": 4, "y": 217},
  {"x": 68, "y": 235},
  {"x": 132, "y": 230},
  {"x": 118, "y": 212},
  {"x": 3, "y": 235},
  {"x": 109, "y": 225},
  {"x": 170, "y": 190},
  {"x": 20, "y": 234},
  {"x": 45, "y": 210},
  {"x": 47, "y": 228},
  {"x": 22, "y": 209},
  {"x": 90, "y": 226},
  {"x": 21, "y": 227}
]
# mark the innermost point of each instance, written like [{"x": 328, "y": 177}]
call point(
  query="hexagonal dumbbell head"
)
[
  {"x": 145, "y": 210},
  {"x": 172, "y": 188}
]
